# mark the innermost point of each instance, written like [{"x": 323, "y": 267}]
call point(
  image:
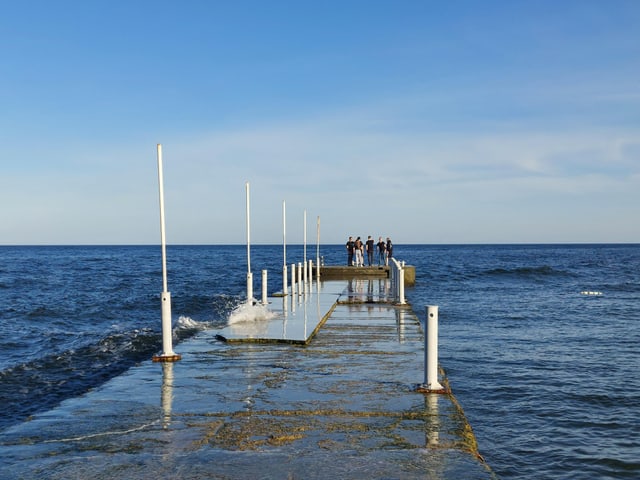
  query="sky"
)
[{"x": 426, "y": 121}]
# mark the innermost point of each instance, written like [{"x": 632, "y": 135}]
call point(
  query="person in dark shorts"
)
[
  {"x": 370, "y": 247},
  {"x": 382, "y": 248},
  {"x": 350, "y": 249}
]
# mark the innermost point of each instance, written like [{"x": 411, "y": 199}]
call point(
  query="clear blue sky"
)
[{"x": 430, "y": 122}]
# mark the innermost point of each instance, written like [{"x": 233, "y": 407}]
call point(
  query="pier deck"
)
[{"x": 339, "y": 404}]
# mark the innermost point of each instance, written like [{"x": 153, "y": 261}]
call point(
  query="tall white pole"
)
[
  {"x": 167, "y": 355},
  {"x": 318, "y": 248},
  {"x": 249, "y": 274},
  {"x": 284, "y": 248},
  {"x": 284, "y": 233},
  {"x": 304, "y": 241}
]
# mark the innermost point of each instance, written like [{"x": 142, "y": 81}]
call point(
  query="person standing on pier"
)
[
  {"x": 389, "y": 250},
  {"x": 382, "y": 248},
  {"x": 369, "y": 246},
  {"x": 350, "y": 248},
  {"x": 359, "y": 256}
]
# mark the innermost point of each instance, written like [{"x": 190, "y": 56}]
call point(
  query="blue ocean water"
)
[{"x": 539, "y": 342}]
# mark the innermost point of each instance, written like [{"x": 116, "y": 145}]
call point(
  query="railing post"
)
[
  {"x": 264, "y": 287},
  {"x": 285, "y": 287},
  {"x": 300, "y": 285},
  {"x": 401, "y": 299},
  {"x": 249, "y": 287},
  {"x": 293, "y": 279},
  {"x": 431, "y": 349}
]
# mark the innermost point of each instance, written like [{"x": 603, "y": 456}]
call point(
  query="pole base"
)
[
  {"x": 166, "y": 358},
  {"x": 424, "y": 388}
]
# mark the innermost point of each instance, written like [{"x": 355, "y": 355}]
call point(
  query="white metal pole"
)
[
  {"x": 167, "y": 348},
  {"x": 401, "y": 286},
  {"x": 300, "y": 286},
  {"x": 305, "y": 276},
  {"x": 318, "y": 249},
  {"x": 249, "y": 274},
  {"x": 431, "y": 349},
  {"x": 264, "y": 287},
  {"x": 284, "y": 249},
  {"x": 163, "y": 240},
  {"x": 293, "y": 279},
  {"x": 285, "y": 284}
]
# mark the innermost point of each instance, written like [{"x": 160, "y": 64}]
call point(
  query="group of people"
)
[{"x": 356, "y": 250}]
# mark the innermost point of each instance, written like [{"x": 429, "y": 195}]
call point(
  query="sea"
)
[{"x": 540, "y": 343}]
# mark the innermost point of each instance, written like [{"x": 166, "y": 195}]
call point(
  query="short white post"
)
[
  {"x": 167, "y": 355},
  {"x": 249, "y": 288},
  {"x": 300, "y": 285},
  {"x": 305, "y": 276},
  {"x": 431, "y": 349},
  {"x": 401, "y": 300},
  {"x": 285, "y": 285},
  {"x": 310, "y": 269},
  {"x": 293, "y": 279},
  {"x": 264, "y": 287}
]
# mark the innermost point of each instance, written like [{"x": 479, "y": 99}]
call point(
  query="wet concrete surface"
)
[{"x": 338, "y": 404}]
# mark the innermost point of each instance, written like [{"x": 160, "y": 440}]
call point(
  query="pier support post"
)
[
  {"x": 264, "y": 287},
  {"x": 431, "y": 350},
  {"x": 300, "y": 285}
]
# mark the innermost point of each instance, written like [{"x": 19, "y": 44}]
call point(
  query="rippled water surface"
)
[{"x": 540, "y": 342}]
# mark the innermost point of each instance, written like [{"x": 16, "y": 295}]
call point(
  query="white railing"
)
[{"x": 396, "y": 277}]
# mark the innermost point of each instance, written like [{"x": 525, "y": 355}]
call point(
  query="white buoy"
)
[{"x": 167, "y": 355}]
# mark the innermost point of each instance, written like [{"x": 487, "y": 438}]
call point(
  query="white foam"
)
[
  {"x": 188, "y": 323},
  {"x": 591, "y": 292},
  {"x": 249, "y": 312}
]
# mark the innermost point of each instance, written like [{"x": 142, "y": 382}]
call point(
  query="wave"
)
[
  {"x": 41, "y": 384},
  {"x": 250, "y": 312},
  {"x": 544, "y": 270}
]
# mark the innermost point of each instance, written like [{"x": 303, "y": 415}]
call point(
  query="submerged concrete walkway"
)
[{"x": 340, "y": 403}]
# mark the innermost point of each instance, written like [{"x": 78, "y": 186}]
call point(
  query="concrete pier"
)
[
  {"x": 343, "y": 272},
  {"x": 324, "y": 388}
]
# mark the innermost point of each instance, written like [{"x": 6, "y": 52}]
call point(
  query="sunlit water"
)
[{"x": 540, "y": 343}]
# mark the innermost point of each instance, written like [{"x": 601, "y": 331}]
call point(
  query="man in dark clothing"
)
[
  {"x": 389, "y": 250},
  {"x": 382, "y": 247},
  {"x": 370, "y": 247},
  {"x": 350, "y": 249}
]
